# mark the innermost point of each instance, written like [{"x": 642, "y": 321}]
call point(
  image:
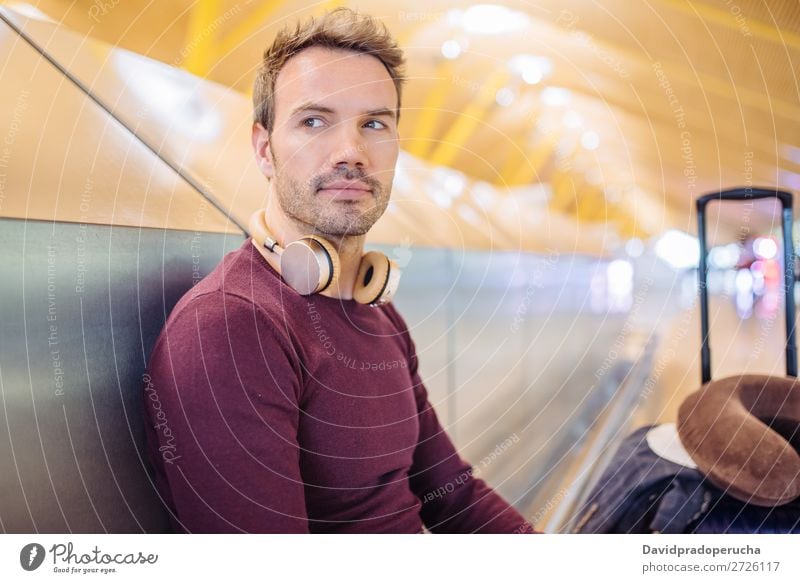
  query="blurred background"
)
[{"x": 543, "y": 212}]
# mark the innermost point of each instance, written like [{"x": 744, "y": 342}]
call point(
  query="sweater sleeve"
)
[
  {"x": 222, "y": 402},
  {"x": 453, "y": 500}
]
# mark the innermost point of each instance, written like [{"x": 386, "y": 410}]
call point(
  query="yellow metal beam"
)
[
  {"x": 726, "y": 88},
  {"x": 418, "y": 143},
  {"x": 628, "y": 227},
  {"x": 720, "y": 85},
  {"x": 517, "y": 154},
  {"x": 405, "y": 36},
  {"x": 256, "y": 20},
  {"x": 425, "y": 127},
  {"x": 564, "y": 191},
  {"x": 736, "y": 21},
  {"x": 531, "y": 165},
  {"x": 592, "y": 205},
  {"x": 200, "y": 42},
  {"x": 513, "y": 155},
  {"x": 251, "y": 23},
  {"x": 458, "y": 134}
]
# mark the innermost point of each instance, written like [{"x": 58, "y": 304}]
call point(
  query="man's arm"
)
[
  {"x": 223, "y": 412},
  {"x": 453, "y": 500}
]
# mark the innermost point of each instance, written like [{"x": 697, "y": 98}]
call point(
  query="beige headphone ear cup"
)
[
  {"x": 373, "y": 274},
  {"x": 334, "y": 257}
]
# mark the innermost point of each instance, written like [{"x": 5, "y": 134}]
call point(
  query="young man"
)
[{"x": 281, "y": 412}]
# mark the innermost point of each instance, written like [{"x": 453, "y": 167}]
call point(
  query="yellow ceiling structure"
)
[{"x": 626, "y": 111}]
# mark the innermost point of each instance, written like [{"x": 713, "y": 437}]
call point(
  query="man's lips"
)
[
  {"x": 346, "y": 189},
  {"x": 346, "y": 186}
]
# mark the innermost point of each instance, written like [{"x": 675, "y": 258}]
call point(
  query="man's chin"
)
[
  {"x": 357, "y": 224},
  {"x": 337, "y": 229},
  {"x": 341, "y": 233}
]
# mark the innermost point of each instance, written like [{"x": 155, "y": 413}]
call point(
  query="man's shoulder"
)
[
  {"x": 222, "y": 320},
  {"x": 394, "y": 316},
  {"x": 240, "y": 280}
]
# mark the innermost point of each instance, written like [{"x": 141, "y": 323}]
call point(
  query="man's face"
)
[{"x": 334, "y": 144}]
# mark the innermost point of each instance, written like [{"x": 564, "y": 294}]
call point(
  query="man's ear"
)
[{"x": 261, "y": 150}]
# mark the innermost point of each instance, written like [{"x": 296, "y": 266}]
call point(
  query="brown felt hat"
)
[{"x": 743, "y": 432}]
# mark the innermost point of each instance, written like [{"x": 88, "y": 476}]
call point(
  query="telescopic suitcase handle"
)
[{"x": 788, "y": 269}]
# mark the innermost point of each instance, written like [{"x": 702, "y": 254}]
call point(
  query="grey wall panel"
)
[{"x": 81, "y": 308}]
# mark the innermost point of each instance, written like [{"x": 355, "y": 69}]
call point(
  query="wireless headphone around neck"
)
[{"x": 310, "y": 265}]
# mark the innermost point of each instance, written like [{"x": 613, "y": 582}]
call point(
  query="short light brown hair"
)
[{"x": 341, "y": 28}]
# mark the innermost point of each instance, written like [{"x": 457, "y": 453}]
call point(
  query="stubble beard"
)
[{"x": 336, "y": 218}]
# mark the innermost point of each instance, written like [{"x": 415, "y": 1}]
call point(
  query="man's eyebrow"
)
[
  {"x": 310, "y": 106},
  {"x": 382, "y": 111}
]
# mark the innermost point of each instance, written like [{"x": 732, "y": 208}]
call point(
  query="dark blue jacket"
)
[{"x": 641, "y": 492}]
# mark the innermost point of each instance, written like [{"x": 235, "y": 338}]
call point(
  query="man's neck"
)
[{"x": 350, "y": 248}]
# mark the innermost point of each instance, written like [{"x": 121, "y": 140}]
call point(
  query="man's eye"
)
[
  {"x": 380, "y": 125},
  {"x": 312, "y": 122}
]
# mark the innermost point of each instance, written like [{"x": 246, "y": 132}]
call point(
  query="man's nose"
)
[{"x": 351, "y": 147}]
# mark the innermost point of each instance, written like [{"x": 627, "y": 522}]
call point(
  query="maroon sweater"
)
[{"x": 271, "y": 412}]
